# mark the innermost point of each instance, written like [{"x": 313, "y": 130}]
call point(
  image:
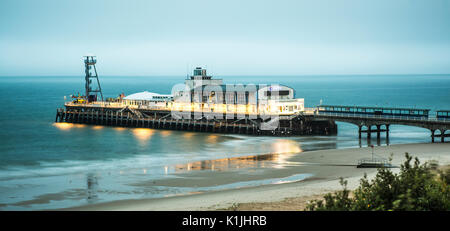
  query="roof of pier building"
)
[
  {"x": 261, "y": 92},
  {"x": 239, "y": 87},
  {"x": 145, "y": 95}
]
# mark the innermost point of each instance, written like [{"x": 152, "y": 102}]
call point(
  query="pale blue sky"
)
[{"x": 232, "y": 37}]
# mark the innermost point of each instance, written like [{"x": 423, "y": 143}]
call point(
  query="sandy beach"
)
[{"x": 324, "y": 167}]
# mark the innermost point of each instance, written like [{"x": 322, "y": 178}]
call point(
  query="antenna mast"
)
[{"x": 91, "y": 94}]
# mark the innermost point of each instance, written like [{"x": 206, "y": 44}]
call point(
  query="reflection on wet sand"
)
[
  {"x": 284, "y": 149},
  {"x": 278, "y": 160},
  {"x": 274, "y": 160},
  {"x": 286, "y": 146},
  {"x": 91, "y": 189},
  {"x": 212, "y": 138}
]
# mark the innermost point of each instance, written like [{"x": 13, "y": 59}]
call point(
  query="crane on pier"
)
[{"x": 92, "y": 93}]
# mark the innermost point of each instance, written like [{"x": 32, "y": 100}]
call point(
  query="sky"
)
[{"x": 229, "y": 37}]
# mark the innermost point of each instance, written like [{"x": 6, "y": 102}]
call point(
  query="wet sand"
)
[{"x": 326, "y": 167}]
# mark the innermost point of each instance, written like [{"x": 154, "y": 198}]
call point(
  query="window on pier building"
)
[
  {"x": 229, "y": 97},
  {"x": 197, "y": 72},
  {"x": 251, "y": 98},
  {"x": 220, "y": 98},
  {"x": 276, "y": 93},
  {"x": 241, "y": 97}
]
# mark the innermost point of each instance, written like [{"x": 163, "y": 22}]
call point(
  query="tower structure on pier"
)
[
  {"x": 92, "y": 89},
  {"x": 200, "y": 78}
]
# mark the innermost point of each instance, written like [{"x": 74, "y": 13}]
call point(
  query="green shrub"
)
[{"x": 416, "y": 187}]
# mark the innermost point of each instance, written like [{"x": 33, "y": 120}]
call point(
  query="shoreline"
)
[{"x": 329, "y": 166}]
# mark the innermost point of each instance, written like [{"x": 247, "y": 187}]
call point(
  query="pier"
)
[{"x": 206, "y": 104}]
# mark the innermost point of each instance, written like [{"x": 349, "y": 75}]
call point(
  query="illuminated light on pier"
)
[{"x": 63, "y": 126}]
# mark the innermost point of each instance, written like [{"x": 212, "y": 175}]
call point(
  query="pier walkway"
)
[{"x": 377, "y": 119}]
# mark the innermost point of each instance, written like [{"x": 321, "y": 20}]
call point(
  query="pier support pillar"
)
[
  {"x": 378, "y": 131},
  {"x": 57, "y": 115},
  {"x": 432, "y": 135},
  {"x": 359, "y": 131},
  {"x": 387, "y": 134},
  {"x": 387, "y": 131},
  {"x": 369, "y": 131},
  {"x": 442, "y": 136}
]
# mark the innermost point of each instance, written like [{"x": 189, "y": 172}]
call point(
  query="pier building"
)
[{"x": 202, "y": 92}]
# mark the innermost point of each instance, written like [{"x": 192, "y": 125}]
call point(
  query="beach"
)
[{"x": 321, "y": 170}]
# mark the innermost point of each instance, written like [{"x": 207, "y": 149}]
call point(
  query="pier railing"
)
[
  {"x": 205, "y": 110},
  {"x": 393, "y": 117}
]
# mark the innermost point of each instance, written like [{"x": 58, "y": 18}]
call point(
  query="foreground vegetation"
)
[{"x": 419, "y": 187}]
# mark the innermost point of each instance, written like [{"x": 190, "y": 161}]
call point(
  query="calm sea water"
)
[{"x": 45, "y": 165}]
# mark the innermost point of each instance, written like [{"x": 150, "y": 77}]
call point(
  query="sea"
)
[{"x": 47, "y": 165}]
